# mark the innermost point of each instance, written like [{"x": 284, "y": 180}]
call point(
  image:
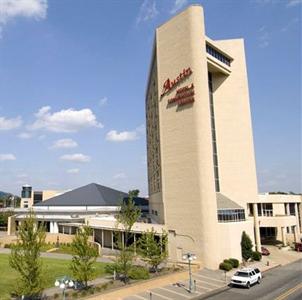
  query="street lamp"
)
[
  {"x": 189, "y": 257},
  {"x": 63, "y": 283}
]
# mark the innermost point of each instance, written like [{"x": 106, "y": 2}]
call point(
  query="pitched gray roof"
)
[
  {"x": 224, "y": 202},
  {"x": 89, "y": 195}
]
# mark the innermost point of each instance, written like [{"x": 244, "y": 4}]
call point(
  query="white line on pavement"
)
[
  {"x": 200, "y": 276},
  {"x": 218, "y": 280},
  {"x": 174, "y": 292},
  {"x": 139, "y": 297},
  {"x": 159, "y": 295},
  {"x": 203, "y": 287}
]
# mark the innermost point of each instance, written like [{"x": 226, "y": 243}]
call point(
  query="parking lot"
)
[{"x": 204, "y": 281}]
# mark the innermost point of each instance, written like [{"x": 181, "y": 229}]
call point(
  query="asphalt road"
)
[{"x": 281, "y": 283}]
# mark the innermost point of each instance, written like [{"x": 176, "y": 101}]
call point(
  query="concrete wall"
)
[
  {"x": 229, "y": 237},
  {"x": 188, "y": 191}
]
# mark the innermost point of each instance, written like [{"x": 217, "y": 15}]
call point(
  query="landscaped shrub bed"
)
[{"x": 256, "y": 256}]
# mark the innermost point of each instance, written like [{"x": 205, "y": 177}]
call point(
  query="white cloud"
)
[
  {"x": 124, "y": 136},
  {"x": 77, "y": 157},
  {"x": 11, "y": 9},
  {"x": 64, "y": 143},
  {"x": 7, "y": 156},
  {"x": 289, "y": 24},
  {"x": 264, "y": 37},
  {"x": 147, "y": 11},
  {"x": 66, "y": 120},
  {"x": 291, "y": 3},
  {"x": 103, "y": 101},
  {"x": 120, "y": 176},
  {"x": 178, "y": 5},
  {"x": 8, "y": 124},
  {"x": 73, "y": 171},
  {"x": 25, "y": 135}
]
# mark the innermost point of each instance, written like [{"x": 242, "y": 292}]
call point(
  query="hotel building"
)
[{"x": 201, "y": 161}]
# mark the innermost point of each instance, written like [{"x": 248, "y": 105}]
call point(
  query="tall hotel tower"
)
[{"x": 201, "y": 165}]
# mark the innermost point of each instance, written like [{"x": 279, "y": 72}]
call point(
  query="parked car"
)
[
  {"x": 265, "y": 251},
  {"x": 298, "y": 247},
  {"x": 246, "y": 277}
]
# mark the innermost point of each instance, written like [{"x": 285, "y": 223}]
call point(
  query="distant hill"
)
[{"x": 4, "y": 194}]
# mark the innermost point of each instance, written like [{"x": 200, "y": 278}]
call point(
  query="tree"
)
[
  {"x": 246, "y": 246},
  {"x": 4, "y": 217},
  {"x": 153, "y": 252},
  {"x": 25, "y": 257},
  {"x": 127, "y": 215},
  {"x": 84, "y": 258}
]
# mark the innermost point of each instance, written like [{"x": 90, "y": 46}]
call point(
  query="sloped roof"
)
[
  {"x": 89, "y": 195},
  {"x": 224, "y": 202}
]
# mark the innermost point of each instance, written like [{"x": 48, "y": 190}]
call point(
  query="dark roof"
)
[
  {"x": 224, "y": 202},
  {"x": 89, "y": 195}
]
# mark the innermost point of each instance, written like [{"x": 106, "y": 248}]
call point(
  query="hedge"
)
[{"x": 225, "y": 266}]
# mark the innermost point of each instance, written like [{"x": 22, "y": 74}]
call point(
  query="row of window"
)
[
  {"x": 214, "y": 146},
  {"x": 266, "y": 209},
  {"x": 230, "y": 215},
  {"x": 218, "y": 55}
]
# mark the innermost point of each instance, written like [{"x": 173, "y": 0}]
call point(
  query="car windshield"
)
[
  {"x": 257, "y": 270},
  {"x": 242, "y": 274}
]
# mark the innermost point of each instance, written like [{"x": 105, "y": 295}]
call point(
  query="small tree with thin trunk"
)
[
  {"x": 84, "y": 258},
  {"x": 246, "y": 246},
  {"x": 128, "y": 214},
  {"x": 153, "y": 251},
  {"x": 25, "y": 257}
]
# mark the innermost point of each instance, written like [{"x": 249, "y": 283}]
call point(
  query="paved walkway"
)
[{"x": 59, "y": 255}]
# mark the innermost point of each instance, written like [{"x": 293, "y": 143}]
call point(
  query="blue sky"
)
[{"x": 73, "y": 77}]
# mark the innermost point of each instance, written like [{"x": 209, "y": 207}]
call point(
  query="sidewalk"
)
[
  {"x": 60, "y": 256},
  {"x": 206, "y": 282}
]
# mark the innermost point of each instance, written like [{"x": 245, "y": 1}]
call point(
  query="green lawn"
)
[{"x": 53, "y": 268}]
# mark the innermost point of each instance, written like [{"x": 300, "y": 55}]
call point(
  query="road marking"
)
[
  {"x": 209, "y": 283},
  {"x": 199, "y": 275},
  {"x": 289, "y": 292},
  {"x": 139, "y": 297},
  {"x": 203, "y": 287},
  {"x": 159, "y": 295},
  {"x": 174, "y": 292}
]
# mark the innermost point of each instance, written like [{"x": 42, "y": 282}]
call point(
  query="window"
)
[
  {"x": 292, "y": 209},
  {"x": 267, "y": 209},
  {"x": 155, "y": 212},
  {"x": 214, "y": 144},
  {"x": 251, "y": 209},
  {"x": 230, "y": 215},
  {"x": 218, "y": 55}
]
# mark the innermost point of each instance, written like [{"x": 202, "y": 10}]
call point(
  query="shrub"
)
[
  {"x": 138, "y": 273},
  {"x": 256, "y": 255},
  {"x": 246, "y": 246},
  {"x": 74, "y": 295},
  {"x": 7, "y": 245},
  {"x": 234, "y": 262},
  {"x": 225, "y": 266},
  {"x": 104, "y": 286},
  {"x": 56, "y": 296},
  {"x": 227, "y": 261},
  {"x": 110, "y": 268}
]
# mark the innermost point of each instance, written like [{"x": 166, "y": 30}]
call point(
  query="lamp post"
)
[
  {"x": 189, "y": 257},
  {"x": 64, "y": 283}
]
